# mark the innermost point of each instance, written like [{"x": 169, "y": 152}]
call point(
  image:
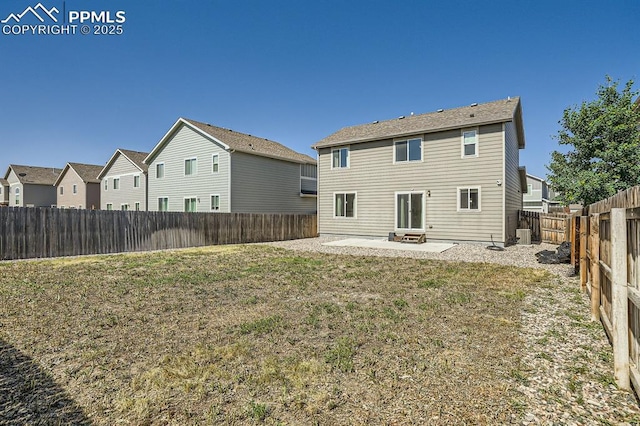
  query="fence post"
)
[
  {"x": 575, "y": 242},
  {"x": 594, "y": 249},
  {"x": 619, "y": 301},
  {"x": 584, "y": 232}
]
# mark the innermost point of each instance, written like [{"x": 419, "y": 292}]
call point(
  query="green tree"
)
[{"x": 605, "y": 136}]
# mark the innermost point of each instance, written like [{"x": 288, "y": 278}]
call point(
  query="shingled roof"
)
[
  {"x": 136, "y": 157},
  {"x": 236, "y": 141},
  {"x": 34, "y": 175},
  {"x": 87, "y": 172},
  {"x": 473, "y": 115},
  {"x": 4, "y": 182}
]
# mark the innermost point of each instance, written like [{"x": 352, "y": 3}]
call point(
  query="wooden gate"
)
[{"x": 554, "y": 227}]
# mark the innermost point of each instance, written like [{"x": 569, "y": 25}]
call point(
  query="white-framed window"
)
[
  {"x": 215, "y": 203},
  {"x": 469, "y": 199},
  {"x": 408, "y": 150},
  {"x": 215, "y": 161},
  {"x": 62, "y": 190},
  {"x": 138, "y": 206},
  {"x": 116, "y": 183},
  {"x": 163, "y": 204},
  {"x": 75, "y": 188},
  {"x": 136, "y": 181},
  {"x": 124, "y": 207},
  {"x": 159, "y": 170},
  {"x": 109, "y": 206},
  {"x": 106, "y": 184},
  {"x": 190, "y": 204},
  {"x": 344, "y": 204},
  {"x": 190, "y": 166},
  {"x": 470, "y": 143},
  {"x": 17, "y": 194},
  {"x": 340, "y": 158}
]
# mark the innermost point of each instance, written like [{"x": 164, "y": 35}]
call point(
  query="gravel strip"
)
[{"x": 568, "y": 366}]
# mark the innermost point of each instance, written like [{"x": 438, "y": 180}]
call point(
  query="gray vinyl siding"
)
[
  {"x": 266, "y": 185},
  {"x": 4, "y": 194},
  {"x": 512, "y": 186},
  {"x": 186, "y": 143},
  {"x": 86, "y": 197},
  {"x": 375, "y": 179},
  {"x": 125, "y": 170},
  {"x": 30, "y": 195}
]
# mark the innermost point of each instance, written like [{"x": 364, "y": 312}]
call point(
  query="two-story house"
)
[
  {"x": 124, "y": 181},
  {"x": 78, "y": 187},
  {"x": 31, "y": 186},
  {"x": 197, "y": 167},
  {"x": 538, "y": 197},
  {"x": 452, "y": 175}
]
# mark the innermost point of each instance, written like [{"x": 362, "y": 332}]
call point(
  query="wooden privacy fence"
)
[
  {"x": 50, "y": 232},
  {"x": 546, "y": 227},
  {"x": 606, "y": 241}
]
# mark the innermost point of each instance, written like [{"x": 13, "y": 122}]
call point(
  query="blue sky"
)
[{"x": 297, "y": 71}]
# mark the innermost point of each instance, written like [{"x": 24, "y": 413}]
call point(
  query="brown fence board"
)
[{"x": 50, "y": 232}]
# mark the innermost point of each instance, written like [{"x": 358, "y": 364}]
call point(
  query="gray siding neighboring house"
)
[
  {"x": 205, "y": 168},
  {"x": 31, "y": 186},
  {"x": 452, "y": 175},
  {"x": 538, "y": 196},
  {"x": 78, "y": 187},
  {"x": 123, "y": 181},
  {"x": 4, "y": 192}
]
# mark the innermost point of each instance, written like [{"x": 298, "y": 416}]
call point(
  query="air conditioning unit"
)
[{"x": 523, "y": 236}]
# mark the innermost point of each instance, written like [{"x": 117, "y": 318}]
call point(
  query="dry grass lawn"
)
[{"x": 255, "y": 334}]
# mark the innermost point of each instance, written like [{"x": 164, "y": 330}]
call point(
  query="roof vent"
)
[
  {"x": 376, "y": 122},
  {"x": 508, "y": 98},
  {"x": 401, "y": 117},
  {"x": 472, "y": 115},
  {"x": 411, "y": 113},
  {"x": 440, "y": 110},
  {"x": 22, "y": 174},
  {"x": 474, "y": 104}
]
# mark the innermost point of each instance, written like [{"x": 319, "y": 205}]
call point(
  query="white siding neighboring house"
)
[
  {"x": 204, "y": 168},
  {"x": 78, "y": 187},
  {"x": 452, "y": 175},
  {"x": 123, "y": 181},
  {"x": 31, "y": 186},
  {"x": 538, "y": 197},
  {"x": 4, "y": 192}
]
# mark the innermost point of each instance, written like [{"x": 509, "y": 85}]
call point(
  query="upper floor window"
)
[
  {"x": 190, "y": 166},
  {"x": 216, "y": 163},
  {"x": 308, "y": 171},
  {"x": 62, "y": 190},
  {"x": 17, "y": 196},
  {"x": 160, "y": 170},
  {"x": 116, "y": 183},
  {"x": 136, "y": 181},
  {"x": 409, "y": 150},
  {"x": 106, "y": 184},
  {"x": 529, "y": 188},
  {"x": 470, "y": 143},
  {"x": 75, "y": 188},
  {"x": 340, "y": 158}
]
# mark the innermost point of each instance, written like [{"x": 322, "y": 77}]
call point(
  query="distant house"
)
[
  {"x": 31, "y": 186},
  {"x": 451, "y": 175},
  {"x": 124, "y": 181},
  {"x": 78, "y": 187},
  {"x": 4, "y": 192},
  {"x": 198, "y": 167},
  {"x": 538, "y": 197}
]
